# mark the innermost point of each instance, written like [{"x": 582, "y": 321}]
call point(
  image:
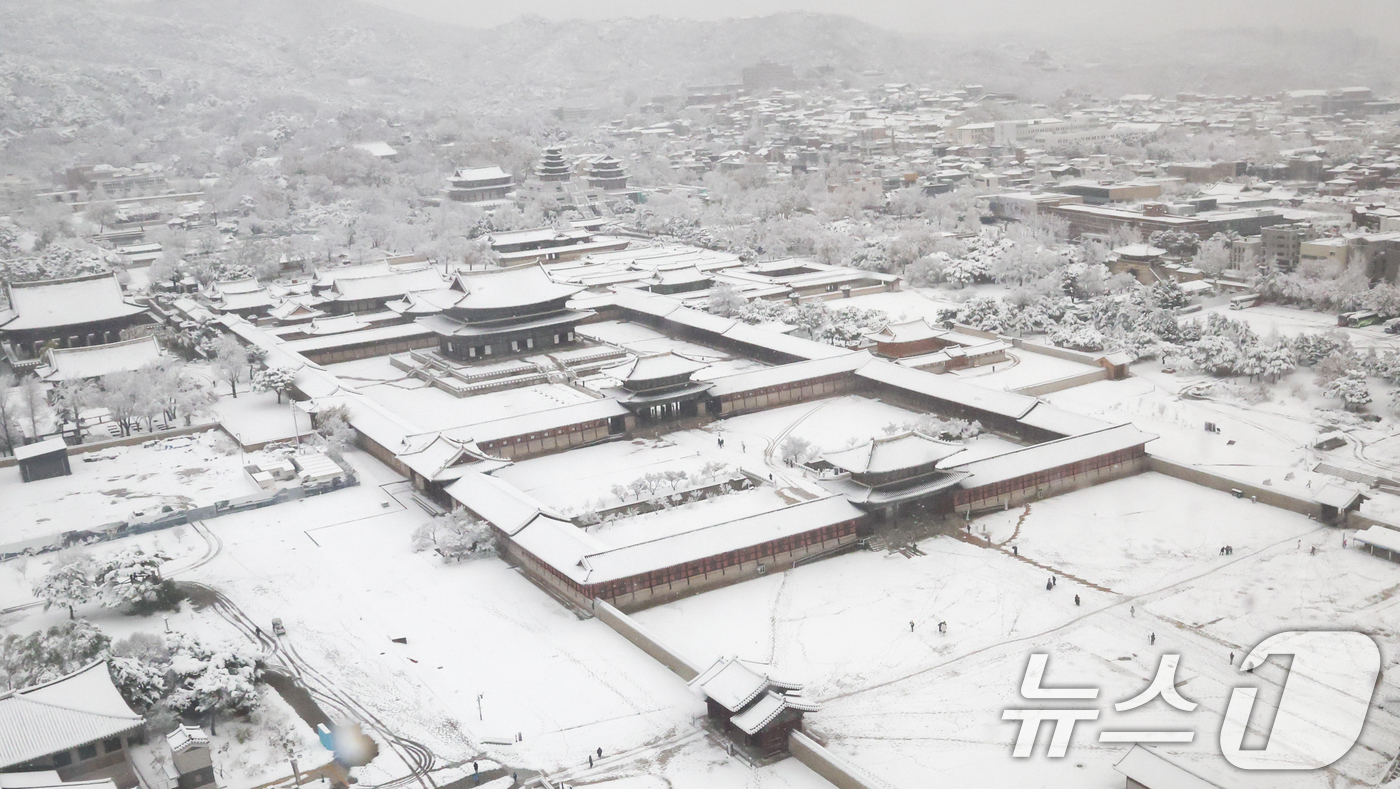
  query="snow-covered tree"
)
[
  {"x": 1279, "y": 361},
  {"x": 455, "y": 536},
  {"x": 131, "y": 577},
  {"x": 49, "y": 654},
  {"x": 333, "y": 427},
  {"x": 230, "y": 360},
  {"x": 69, "y": 583},
  {"x": 141, "y": 683},
  {"x": 1215, "y": 354},
  {"x": 1351, "y": 389},
  {"x": 724, "y": 300},
  {"x": 796, "y": 449},
  {"x": 212, "y": 680},
  {"x": 275, "y": 379}
]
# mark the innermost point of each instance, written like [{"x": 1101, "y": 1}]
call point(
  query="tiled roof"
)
[{"x": 70, "y": 711}]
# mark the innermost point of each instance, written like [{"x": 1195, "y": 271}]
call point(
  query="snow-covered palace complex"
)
[{"x": 580, "y": 438}]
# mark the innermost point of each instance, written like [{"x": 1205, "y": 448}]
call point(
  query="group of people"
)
[
  {"x": 1226, "y": 550},
  {"x": 942, "y": 626}
]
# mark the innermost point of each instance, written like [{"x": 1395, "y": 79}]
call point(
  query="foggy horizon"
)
[{"x": 1370, "y": 18}]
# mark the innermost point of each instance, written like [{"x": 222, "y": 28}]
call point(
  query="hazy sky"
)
[{"x": 1369, "y": 17}]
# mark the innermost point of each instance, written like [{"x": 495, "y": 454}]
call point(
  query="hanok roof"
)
[
  {"x": 767, "y": 709},
  {"x": 908, "y": 331},
  {"x": 910, "y": 449},
  {"x": 503, "y": 505},
  {"x": 1337, "y": 496},
  {"x": 509, "y": 288},
  {"x": 70, "y": 711},
  {"x": 445, "y": 458},
  {"x": 946, "y": 388},
  {"x": 39, "y": 448},
  {"x": 385, "y": 284},
  {"x": 734, "y": 684},
  {"x": 650, "y": 368},
  {"x": 95, "y": 361},
  {"x": 1057, "y": 420},
  {"x": 50, "y": 304},
  {"x": 335, "y": 324},
  {"x": 478, "y": 173},
  {"x": 1052, "y": 454}
]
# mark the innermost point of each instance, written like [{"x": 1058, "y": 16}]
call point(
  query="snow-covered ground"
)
[
  {"x": 18, "y": 576},
  {"x": 1022, "y": 369},
  {"x": 431, "y": 408},
  {"x": 256, "y": 418},
  {"x": 1257, "y": 442},
  {"x": 1142, "y": 554},
  {"x": 642, "y": 339},
  {"x": 184, "y": 471},
  {"x": 340, "y": 571},
  {"x": 1290, "y": 321}
]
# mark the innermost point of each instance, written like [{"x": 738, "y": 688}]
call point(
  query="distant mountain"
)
[{"x": 79, "y": 61}]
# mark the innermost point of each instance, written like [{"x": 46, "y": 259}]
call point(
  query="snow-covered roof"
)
[
  {"x": 1052, "y": 454},
  {"x": 789, "y": 373},
  {"x": 95, "y": 361},
  {"x": 379, "y": 148},
  {"x": 385, "y": 285},
  {"x": 1381, "y": 537},
  {"x": 445, "y": 458},
  {"x": 1058, "y": 420},
  {"x": 478, "y": 173},
  {"x": 654, "y": 366},
  {"x": 732, "y": 684},
  {"x": 1148, "y": 768},
  {"x": 49, "y": 304},
  {"x": 767, "y": 709},
  {"x": 70, "y": 711},
  {"x": 910, "y": 449},
  {"x": 45, "y": 447},
  {"x": 946, "y": 388},
  {"x": 510, "y": 288},
  {"x": 1339, "y": 496},
  {"x": 540, "y": 421},
  {"x": 908, "y": 331},
  {"x": 185, "y": 737},
  {"x": 335, "y": 324},
  {"x": 502, "y": 504},
  {"x": 669, "y": 551}
]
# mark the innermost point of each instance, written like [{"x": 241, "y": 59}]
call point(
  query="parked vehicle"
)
[
  {"x": 1244, "y": 301},
  {"x": 1392, "y": 326},
  {"x": 1356, "y": 320},
  {"x": 278, "y": 628}
]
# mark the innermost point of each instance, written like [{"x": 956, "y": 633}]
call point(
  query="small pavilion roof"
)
[{"x": 650, "y": 368}]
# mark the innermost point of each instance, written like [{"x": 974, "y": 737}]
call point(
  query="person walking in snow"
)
[
  {"x": 590, "y": 760},
  {"x": 1232, "y": 658},
  {"x": 600, "y": 753},
  {"x": 1048, "y": 584},
  {"x": 911, "y": 626},
  {"x": 1015, "y": 551},
  {"x": 1152, "y": 639},
  {"x": 1076, "y": 599}
]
